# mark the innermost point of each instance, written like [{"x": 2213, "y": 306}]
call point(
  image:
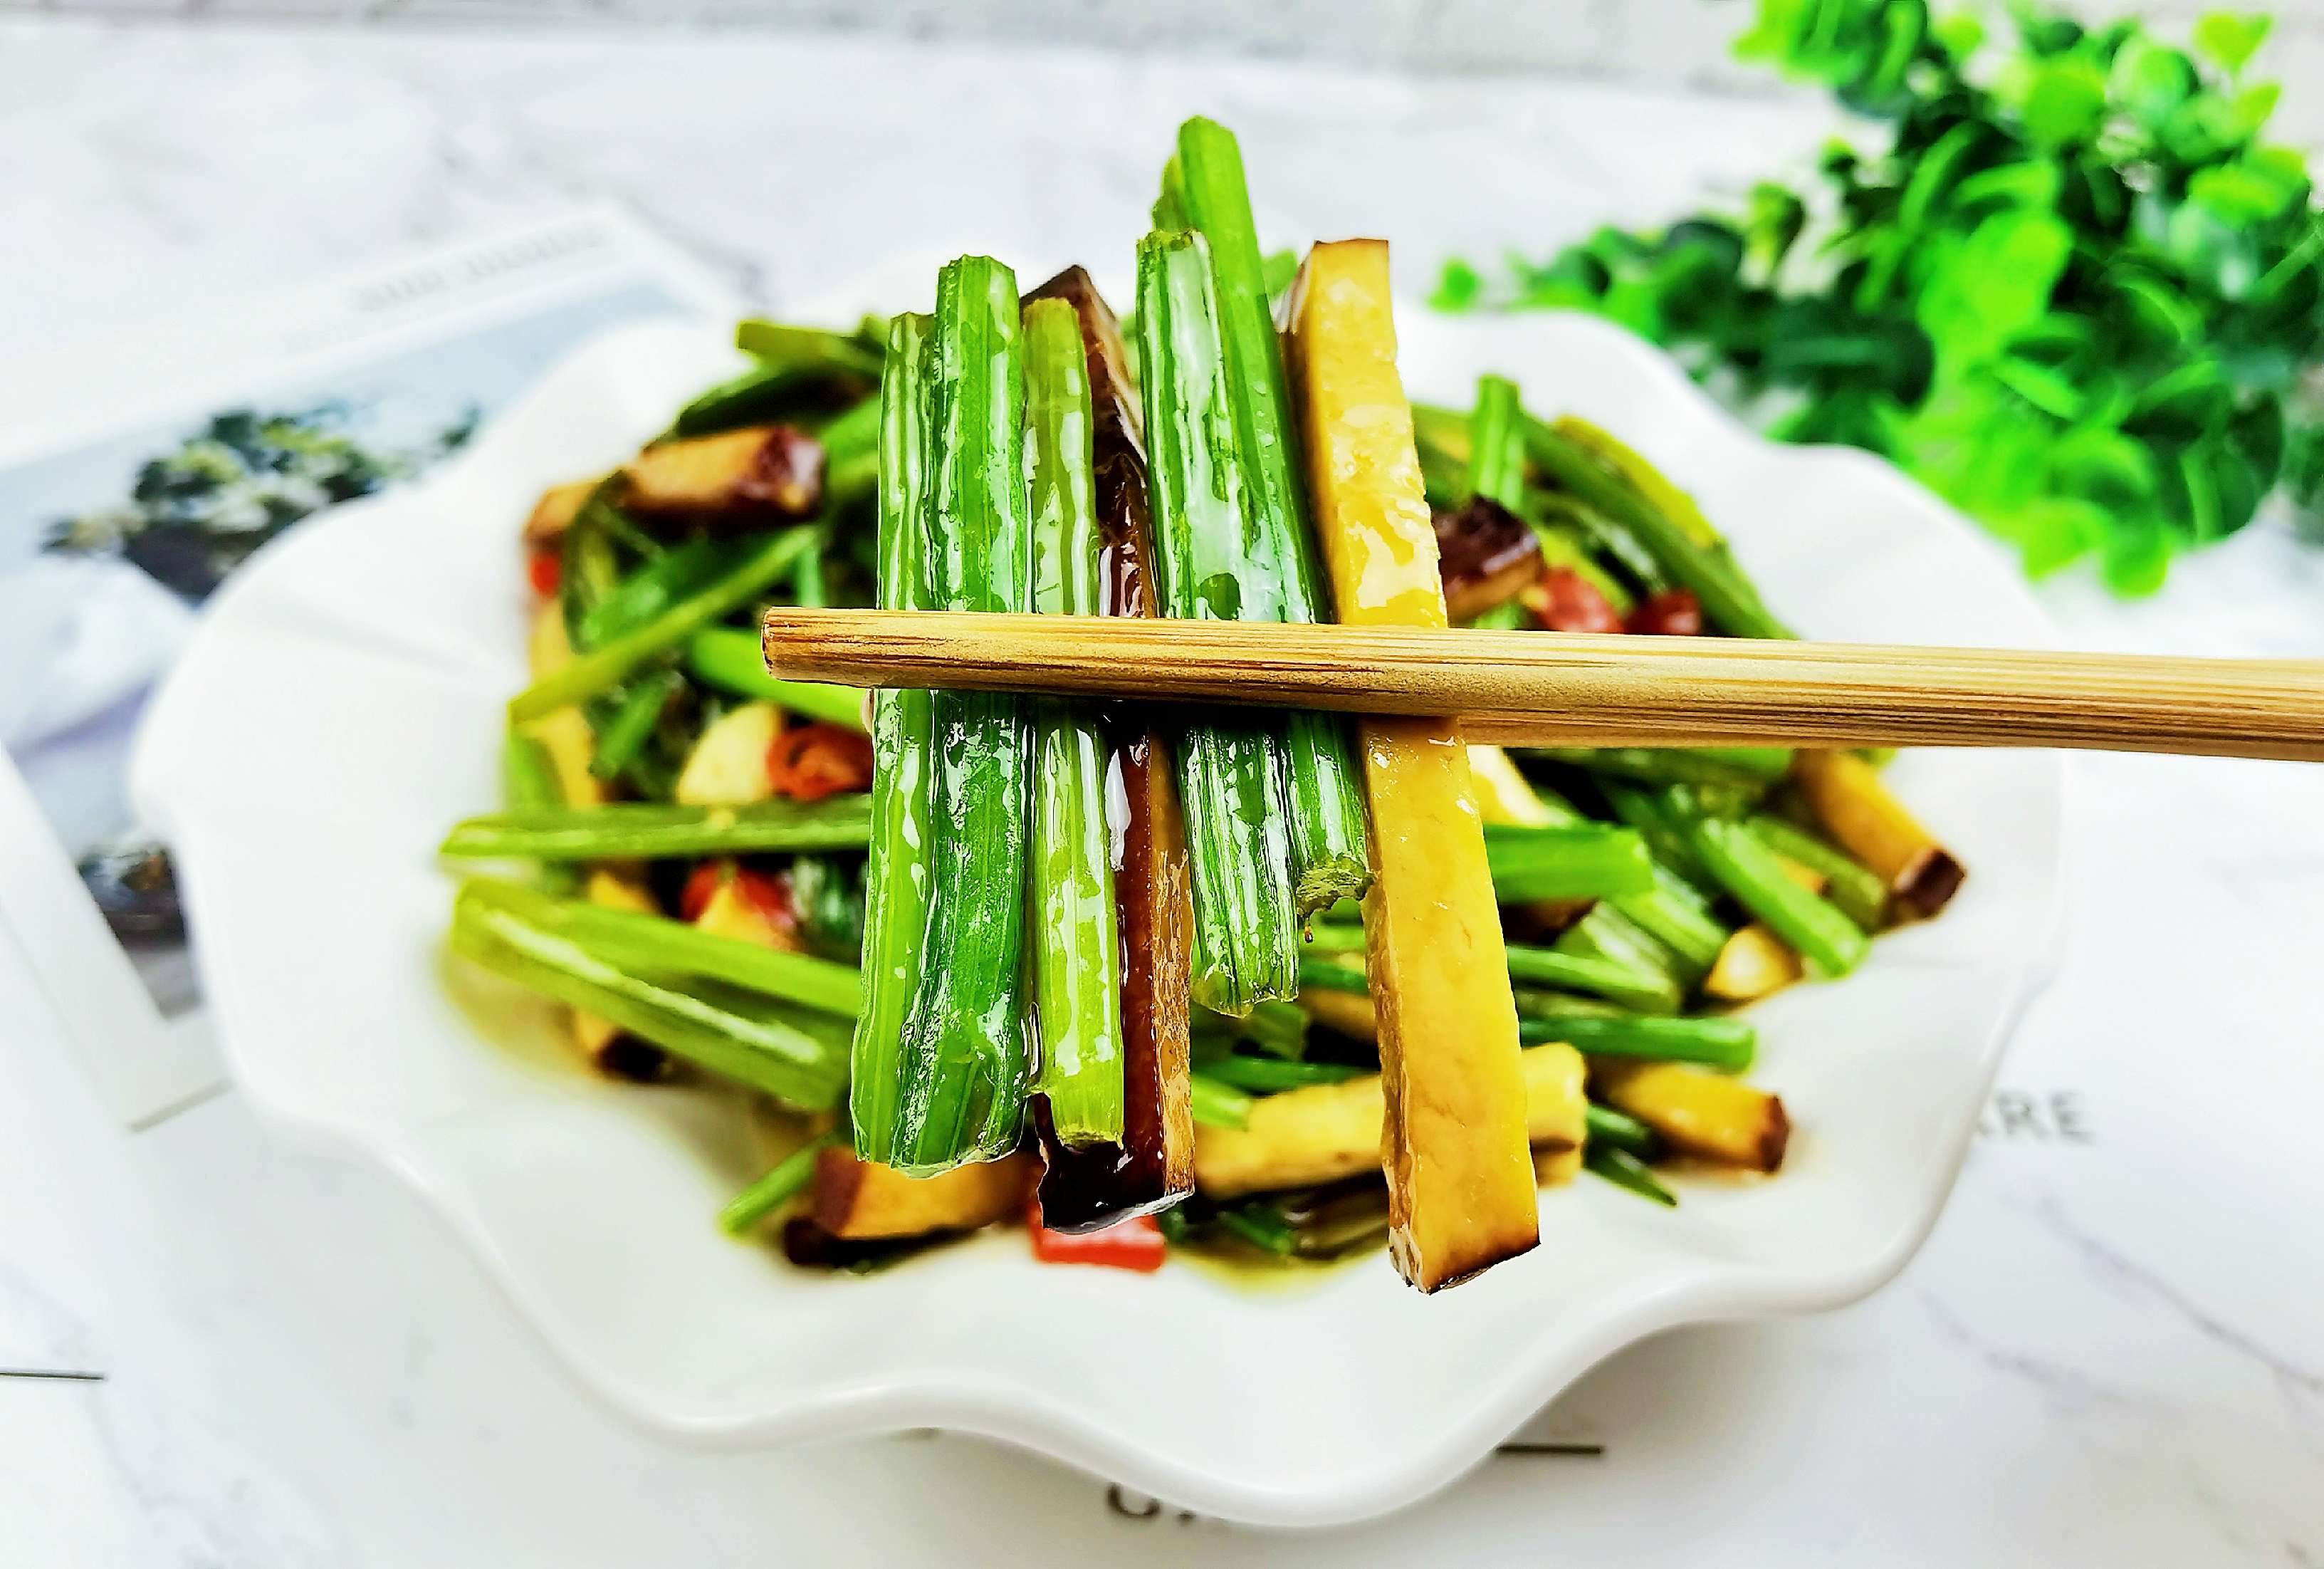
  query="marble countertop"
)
[{"x": 2108, "y": 1352}]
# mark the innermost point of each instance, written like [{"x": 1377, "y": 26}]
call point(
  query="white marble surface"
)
[
  {"x": 1666, "y": 44},
  {"x": 2109, "y": 1353}
]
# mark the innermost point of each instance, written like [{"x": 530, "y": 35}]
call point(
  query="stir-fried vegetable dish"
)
[{"x": 1278, "y": 986}]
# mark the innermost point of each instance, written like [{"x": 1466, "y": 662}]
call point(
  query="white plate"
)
[{"x": 342, "y": 705}]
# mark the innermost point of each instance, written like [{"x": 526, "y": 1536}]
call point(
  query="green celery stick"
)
[
  {"x": 1216, "y": 1104},
  {"x": 1325, "y": 787},
  {"x": 1824, "y": 936},
  {"x": 625, "y": 735},
  {"x": 1634, "y": 985},
  {"x": 655, "y": 944},
  {"x": 1671, "y": 911},
  {"x": 789, "y": 1058},
  {"x": 728, "y": 659},
  {"x": 528, "y": 779},
  {"x": 1729, "y": 602},
  {"x": 964, "y": 1052},
  {"x": 676, "y": 574},
  {"x": 749, "y": 1209},
  {"x": 896, "y": 884},
  {"x": 1267, "y": 1076},
  {"x": 1616, "y": 1129},
  {"x": 604, "y": 666},
  {"x": 627, "y": 830},
  {"x": 779, "y": 343},
  {"x": 1582, "y": 861},
  {"x": 1623, "y": 1170},
  {"x": 1854, "y": 887},
  {"x": 1495, "y": 449},
  {"x": 1076, "y": 957},
  {"x": 1606, "y": 934},
  {"x": 1229, "y": 770},
  {"x": 1726, "y": 1044}
]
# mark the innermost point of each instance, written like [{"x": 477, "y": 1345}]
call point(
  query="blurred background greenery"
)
[{"x": 2056, "y": 270}]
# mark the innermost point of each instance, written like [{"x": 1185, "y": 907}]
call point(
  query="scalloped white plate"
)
[{"x": 342, "y": 705}]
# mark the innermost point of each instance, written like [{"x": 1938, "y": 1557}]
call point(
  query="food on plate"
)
[
  {"x": 1453, "y": 1144},
  {"x": 1275, "y": 987}
]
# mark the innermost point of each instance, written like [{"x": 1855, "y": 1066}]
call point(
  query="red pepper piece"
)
[
  {"x": 809, "y": 762},
  {"x": 1565, "y": 600},
  {"x": 701, "y": 884},
  {"x": 1135, "y": 1243},
  {"x": 768, "y": 894},
  {"x": 1676, "y": 613}
]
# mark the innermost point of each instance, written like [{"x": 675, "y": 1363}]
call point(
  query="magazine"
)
[{"x": 141, "y": 475}]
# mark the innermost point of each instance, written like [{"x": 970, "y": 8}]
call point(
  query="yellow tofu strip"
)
[
  {"x": 858, "y": 1201},
  {"x": 563, "y": 732},
  {"x": 1848, "y": 797},
  {"x": 554, "y": 512},
  {"x": 601, "y": 1041},
  {"x": 1753, "y": 962},
  {"x": 1348, "y": 1012},
  {"x": 1453, "y": 1144},
  {"x": 1503, "y": 794},
  {"x": 1556, "y": 1167},
  {"x": 1323, "y": 1132},
  {"x": 1712, "y": 1115},
  {"x": 566, "y": 736}
]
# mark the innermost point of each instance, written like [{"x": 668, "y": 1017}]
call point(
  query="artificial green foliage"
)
[{"x": 2073, "y": 291}]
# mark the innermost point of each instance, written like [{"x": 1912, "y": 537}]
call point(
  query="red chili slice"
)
[
  {"x": 1677, "y": 614},
  {"x": 701, "y": 884},
  {"x": 1565, "y": 600},
  {"x": 1135, "y": 1243},
  {"x": 768, "y": 894},
  {"x": 809, "y": 762}
]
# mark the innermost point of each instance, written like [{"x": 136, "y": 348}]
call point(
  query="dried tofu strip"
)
[
  {"x": 1322, "y": 1133},
  {"x": 758, "y": 475},
  {"x": 860, "y": 1201},
  {"x": 554, "y": 512},
  {"x": 1714, "y": 1115},
  {"x": 613, "y": 1050},
  {"x": 567, "y": 737},
  {"x": 1454, "y": 1146},
  {"x": 1856, "y": 810}
]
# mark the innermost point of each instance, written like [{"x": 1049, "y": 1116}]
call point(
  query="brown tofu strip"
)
[
  {"x": 1486, "y": 555},
  {"x": 760, "y": 473},
  {"x": 559, "y": 505},
  {"x": 1153, "y": 1166}
]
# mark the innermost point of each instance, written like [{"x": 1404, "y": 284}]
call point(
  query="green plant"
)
[{"x": 2075, "y": 292}]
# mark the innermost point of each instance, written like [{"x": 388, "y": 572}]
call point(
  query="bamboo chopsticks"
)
[{"x": 1553, "y": 688}]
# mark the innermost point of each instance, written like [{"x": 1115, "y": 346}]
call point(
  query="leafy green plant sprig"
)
[{"x": 2076, "y": 293}]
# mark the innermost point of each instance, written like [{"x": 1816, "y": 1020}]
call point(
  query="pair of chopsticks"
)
[{"x": 1543, "y": 688}]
